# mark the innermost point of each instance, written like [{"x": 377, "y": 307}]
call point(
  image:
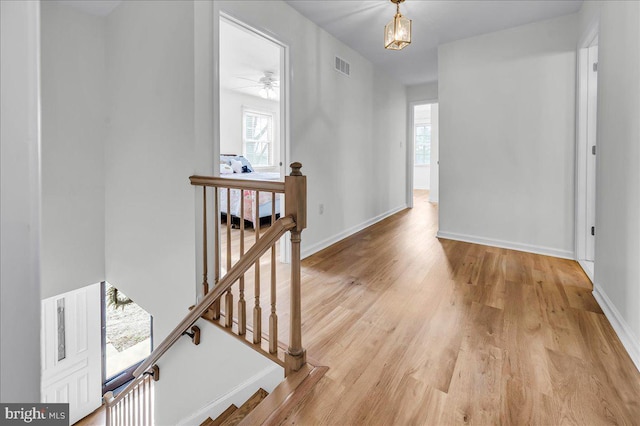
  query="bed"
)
[{"x": 264, "y": 205}]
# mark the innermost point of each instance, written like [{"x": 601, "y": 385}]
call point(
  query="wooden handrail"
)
[
  {"x": 277, "y": 230},
  {"x": 250, "y": 185},
  {"x": 294, "y": 220}
]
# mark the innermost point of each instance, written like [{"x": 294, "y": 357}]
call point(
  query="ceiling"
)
[
  {"x": 245, "y": 58},
  {"x": 359, "y": 24}
]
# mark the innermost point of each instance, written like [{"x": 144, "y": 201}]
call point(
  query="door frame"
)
[
  {"x": 411, "y": 146},
  {"x": 285, "y": 102},
  {"x": 582, "y": 150}
]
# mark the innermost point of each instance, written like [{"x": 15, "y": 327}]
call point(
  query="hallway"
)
[{"x": 421, "y": 331}]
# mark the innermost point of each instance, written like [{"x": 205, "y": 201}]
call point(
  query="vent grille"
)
[{"x": 342, "y": 66}]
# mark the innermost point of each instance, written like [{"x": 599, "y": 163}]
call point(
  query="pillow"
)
[
  {"x": 225, "y": 169},
  {"x": 226, "y": 159},
  {"x": 236, "y": 166},
  {"x": 245, "y": 163}
]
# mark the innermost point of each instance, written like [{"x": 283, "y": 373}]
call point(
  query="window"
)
[
  {"x": 422, "y": 134},
  {"x": 257, "y": 137}
]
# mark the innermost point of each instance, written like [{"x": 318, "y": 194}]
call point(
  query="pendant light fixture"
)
[{"x": 397, "y": 33}]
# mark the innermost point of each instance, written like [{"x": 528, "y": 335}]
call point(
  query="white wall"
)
[
  {"x": 231, "y": 121},
  {"x": 160, "y": 134},
  {"x": 422, "y": 177},
  {"x": 208, "y": 373},
  {"x": 348, "y": 132},
  {"x": 20, "y": 201},
  {"x": 150, "y": 153},
  {"x": 73, "y": 136},
  {"x": 423, "y": 92},
  {"x": 507, "y": 111},
  {"x": 617, "y": 250}
]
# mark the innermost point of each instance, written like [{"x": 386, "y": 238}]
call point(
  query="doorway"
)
[
  {"x": 253, "y": 107},
  {"x": 422, "y": 158},
  {"x": 252, "y": 99},
  {"x": 586, "y": 156},
  {"x": 127, "y": 337}
]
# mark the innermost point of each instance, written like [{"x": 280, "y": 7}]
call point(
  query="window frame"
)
[
  {"x": 272, "y": 118},
  {"x": 415, "y": 145}
]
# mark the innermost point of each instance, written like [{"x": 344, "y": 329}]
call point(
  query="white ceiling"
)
[
  {"x": 244, "y": 59},
  {"x": 359, "y": 24}
]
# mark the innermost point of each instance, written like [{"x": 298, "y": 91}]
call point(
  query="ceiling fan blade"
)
[
  {"x": 247, "y": 87},
  {"x": 248, "y": 79}
]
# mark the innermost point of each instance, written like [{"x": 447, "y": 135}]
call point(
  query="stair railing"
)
[
  {"x": 256, "y": 192},
  {"x": 133, "y": 405}
]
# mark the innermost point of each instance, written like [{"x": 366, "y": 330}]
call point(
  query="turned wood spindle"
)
[
  {"x": 215, "y": 307},
  {"x": 205, "y": 283},
  {"x": 257, "y": 310},
  {"x": 242, "y": 304},
  {"x": 228, "y": 297},
  {"x": 273, "y": 318}
]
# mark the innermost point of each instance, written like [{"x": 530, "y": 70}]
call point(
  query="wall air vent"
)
[{"x": 342, "y": 66}]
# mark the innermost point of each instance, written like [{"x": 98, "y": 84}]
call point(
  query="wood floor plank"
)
[{"x": 422, "y": 331}]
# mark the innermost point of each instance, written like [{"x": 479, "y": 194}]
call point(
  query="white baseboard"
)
[
  {"x": 588, "y": 268},
  {"x": 267, "y": 379},
  {"x": 312, "y": 249},
  {"x": 620, "y": 326},
  {"x": 547, "y": 251}
]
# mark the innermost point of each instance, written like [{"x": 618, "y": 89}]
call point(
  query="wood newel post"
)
[{"x": 296, "y": 207}]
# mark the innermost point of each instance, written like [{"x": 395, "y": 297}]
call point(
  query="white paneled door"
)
[
  {"x": 592, "y": 116},
  {"x": 71, "y": 351}
]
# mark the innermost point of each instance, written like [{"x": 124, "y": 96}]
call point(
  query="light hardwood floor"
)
[{"x": 421, "y": 331}]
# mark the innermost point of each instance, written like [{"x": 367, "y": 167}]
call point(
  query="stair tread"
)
[
  {"x": 221, "y": 418},
  {"x": 286, "y": 396},
  {"x": 245, "y": 408}
]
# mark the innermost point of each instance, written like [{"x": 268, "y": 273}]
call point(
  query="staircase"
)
[
  {"x": 234, "y": 415},
  {"x": 129, "y": 408}
]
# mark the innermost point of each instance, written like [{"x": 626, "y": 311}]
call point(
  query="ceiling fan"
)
[{"x": 267, "y": 85}]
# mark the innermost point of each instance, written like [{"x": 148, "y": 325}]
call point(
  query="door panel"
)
[
  {"x": 71, "y": 357},
  {"x": 592, "y": 105}
]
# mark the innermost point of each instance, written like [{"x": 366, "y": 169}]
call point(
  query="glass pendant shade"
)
[
  {"x": 397, "y": 33},
  {"x": 267, "y": 92}
]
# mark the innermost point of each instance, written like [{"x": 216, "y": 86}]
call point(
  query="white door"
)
[
  {"x": 592, "y": 105},
  {"x": 71, "y": 355}
]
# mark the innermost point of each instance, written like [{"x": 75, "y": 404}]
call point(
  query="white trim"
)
[
  {"x": 267, "y": 379},
  {"x": 588, "y": 268},
  {"x": 529, "y": 248},
  {"x": 581, "y": 156},
  {"x": 625, "y": 334},
  {"x": 308, "y": 251}
]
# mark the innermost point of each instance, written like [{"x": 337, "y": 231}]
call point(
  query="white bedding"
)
[{"x": 264, "y": 205}]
